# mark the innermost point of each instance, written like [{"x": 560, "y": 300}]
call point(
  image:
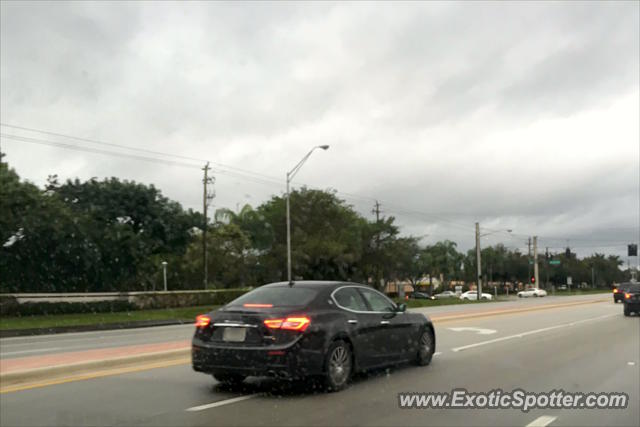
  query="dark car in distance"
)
[
  {"x": 420, "y": 295},
  {"x": 327, "y": 330},
  {"x": 618, "y": 292},
  {"x": 631, "y": 299}
]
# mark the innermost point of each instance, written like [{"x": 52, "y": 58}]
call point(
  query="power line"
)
[{"x": 95, "y": 150}]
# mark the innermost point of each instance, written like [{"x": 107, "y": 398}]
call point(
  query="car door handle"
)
[
  {"x": 384, "y": 322},
  {"x": 352, "y": 321}
]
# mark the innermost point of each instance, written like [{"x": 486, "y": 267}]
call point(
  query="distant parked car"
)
[
  {"x": 562, "y": 287},
  {"x": 445, "y": 295},
  {"x": 618, "y": 291},
  {"x": 420, "y": 295},
  {"x": 473, "y": 296},
  {"x": 532, "y": 292}
]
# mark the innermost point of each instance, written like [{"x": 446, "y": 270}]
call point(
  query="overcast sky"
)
[{"x": 518, "y": 115}]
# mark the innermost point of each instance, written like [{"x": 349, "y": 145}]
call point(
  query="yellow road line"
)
[
  {"x": 459, "y": 317},
  {"x": 97, "y": 374}
]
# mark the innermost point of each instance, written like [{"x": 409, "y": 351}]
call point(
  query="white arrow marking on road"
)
[
  {"x": 524, "y": 334},
  {"x": 542, "y": 421},
  {"x": 479, "y": 331},
  {"x": 221, "y": 403}
]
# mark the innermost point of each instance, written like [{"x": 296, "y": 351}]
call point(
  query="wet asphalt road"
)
[{"x": 583, "y": 348}]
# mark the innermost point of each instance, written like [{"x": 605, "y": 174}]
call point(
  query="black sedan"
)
[
  {"x": 307, "y": 329},
  {"x": 631, "y": 299},
  {"x": 618, "y": 292}
]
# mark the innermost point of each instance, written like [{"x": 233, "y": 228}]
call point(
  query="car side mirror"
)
[{"x": 401, "y": 308}]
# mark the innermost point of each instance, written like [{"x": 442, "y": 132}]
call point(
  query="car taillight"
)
[
  {"x": 257, "y": 305},
  {"x": 627, "y": 296},
  {"x": 202, "y": 321},
  {"x": 615, "y": 291},
  {"x": 293, "y": 323}
]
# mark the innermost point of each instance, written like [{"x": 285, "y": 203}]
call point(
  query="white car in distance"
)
[
  {"x": 532, "y": 292},
  {"x": 473, "y": 296}
]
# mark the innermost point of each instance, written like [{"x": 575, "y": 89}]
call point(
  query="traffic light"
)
[
  {"x": 632, "y": 250},
  {"x": 533, "y": 280}
]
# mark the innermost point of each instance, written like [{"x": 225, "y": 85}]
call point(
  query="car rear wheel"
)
[
  {"x": 338, "y": 366},
  {"x": 627, "y": 311},
  {"x": 229, "y": 378},
  {"x": 425, "y": 351}
]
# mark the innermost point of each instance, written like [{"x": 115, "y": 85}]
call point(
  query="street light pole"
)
[
  {"x": 290, "y": 176},
  {"x": 164, "y": 273},
  {"x": 478, "y": 260}
]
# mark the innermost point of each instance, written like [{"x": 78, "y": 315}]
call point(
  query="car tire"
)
[
  {"x": 535, "y": 295},
  {"x": 230, "y": 379},
  {"x": 338, "y": 366},
  {"x": 426, "y": 348},
  {"x": 627, "y": 311},
  {"x": 519, "y": 295}
]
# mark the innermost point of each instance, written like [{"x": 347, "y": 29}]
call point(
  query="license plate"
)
[{"x": 234, "y": 334}]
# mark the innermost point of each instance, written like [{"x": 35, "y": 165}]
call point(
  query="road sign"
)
[
  {"x": 569, "y": 280},
  {"x": 554, "y": 262}
]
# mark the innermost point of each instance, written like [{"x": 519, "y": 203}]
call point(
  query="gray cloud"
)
[{"x": 520, "y": 115}]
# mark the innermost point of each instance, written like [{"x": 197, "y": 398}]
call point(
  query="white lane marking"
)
[
  {"x": 40, "y": 350},
  {"x": 221, "y": 403},
  {"x": 542, "y": 421},
  {"x": 479, "y": 331},
  {"x": 631, "y": 363},
  {"x": 437, "y": 353},
  {"x": 535, "y": 331}
]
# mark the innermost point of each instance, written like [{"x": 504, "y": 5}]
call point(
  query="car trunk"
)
[{"x": 238, "y": 327}]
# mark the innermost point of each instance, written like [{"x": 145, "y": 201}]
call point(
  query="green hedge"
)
[
  {"x": 49, "y": 308},
  {"x": 9, "y": 306},
  {"x": 186, "y": 299}
]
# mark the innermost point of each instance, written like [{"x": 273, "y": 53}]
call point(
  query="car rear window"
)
[{"x": 275, "y": 297}]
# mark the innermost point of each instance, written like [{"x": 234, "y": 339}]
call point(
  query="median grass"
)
[
  {"x": 416, "y": 303},
  {"x": 186, "y": 314},
  {"x": 580, "y": 292}
]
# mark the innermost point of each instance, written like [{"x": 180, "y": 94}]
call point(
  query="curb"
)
[
  {"x": 10, "y": 333},
  {"x": 31, "y": 375}
]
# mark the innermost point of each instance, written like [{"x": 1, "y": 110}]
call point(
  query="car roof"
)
[{"x": 324, "y": 284}]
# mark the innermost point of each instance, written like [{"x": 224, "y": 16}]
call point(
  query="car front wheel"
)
[{"x": 425, "y": 352}]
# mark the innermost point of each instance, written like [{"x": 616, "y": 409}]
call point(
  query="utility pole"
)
[
  {"x": 546, "y": 267},
  {"x": 206, "y": 198},
  {"x": 478, "y": 261},
  {"x": 529, "y": 260},
  {"x": 376, "y": 211},
  {"x": 535, "y": 260}
]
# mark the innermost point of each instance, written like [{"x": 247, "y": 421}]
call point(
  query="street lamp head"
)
[
  {"x": 324, "y": 147},
  {"x": 164, "y": 262},
  {"x": 509, "y": 230}
]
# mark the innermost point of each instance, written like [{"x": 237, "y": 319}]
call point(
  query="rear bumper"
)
[
  {"x": 293, "y": 361},
  {"x": 632, "y": 305},
  {"x": 618, "y": 297}
]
